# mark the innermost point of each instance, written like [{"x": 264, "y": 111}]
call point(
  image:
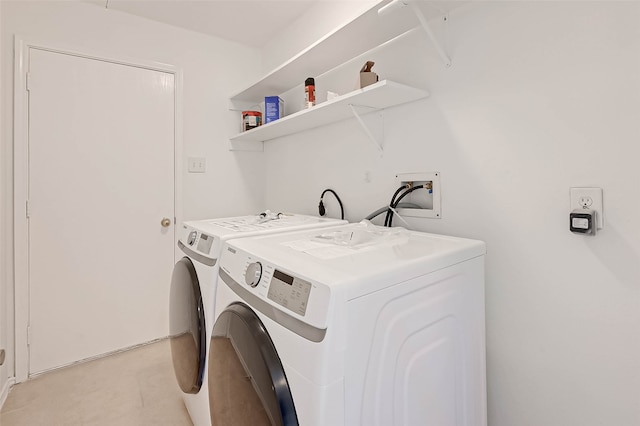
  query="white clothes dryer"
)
[
  {"x": 193, "y": 286},
  {"x": 349, "y": 325}
]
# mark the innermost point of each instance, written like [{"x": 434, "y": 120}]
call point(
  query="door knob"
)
[{"x": 165, "y": 222}]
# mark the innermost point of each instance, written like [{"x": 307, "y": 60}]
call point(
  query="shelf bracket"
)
[
  {"x": 430, "y": 34},
  {"x": 364, "y": 126}
]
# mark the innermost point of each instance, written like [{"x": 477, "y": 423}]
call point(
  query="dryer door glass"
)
[
  {"x": 247, "y": 384},
  {"x": 187, "y": 327}
]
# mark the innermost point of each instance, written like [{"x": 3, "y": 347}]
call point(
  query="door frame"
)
[{"x": 21, "y": 290}]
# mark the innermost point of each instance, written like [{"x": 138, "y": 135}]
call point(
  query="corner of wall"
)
[
  {"x": 5, "y": 383},
  {"x": 4, "y": 391}
]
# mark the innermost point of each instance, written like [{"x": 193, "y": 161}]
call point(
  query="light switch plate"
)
[
  {"x": 588, "y": 199},
  {"x": 197, "y": 165}
]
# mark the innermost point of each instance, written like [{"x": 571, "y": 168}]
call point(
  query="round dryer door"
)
[
  {"x": 247, "y": 384},
  {"x": 187, "y": 328}
]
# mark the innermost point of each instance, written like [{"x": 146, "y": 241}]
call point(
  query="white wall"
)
[
  {"x": 213, "y": 69},
  {"x": 542, "y": 96},
  {"x": 320, "y": 19}
]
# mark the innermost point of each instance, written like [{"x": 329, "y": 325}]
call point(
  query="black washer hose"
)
[
  {"x": 393, "y": 200},
  {"x": 404, "y": 194}
]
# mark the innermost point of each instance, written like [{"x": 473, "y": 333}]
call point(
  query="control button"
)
[
  {"x": 192, "y": 237},
  {"x": 580, "y": 223},
  {"x": 253, "y": 274}
]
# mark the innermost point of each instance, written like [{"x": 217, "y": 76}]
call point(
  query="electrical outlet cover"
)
[{"x": 588, "y": 198}]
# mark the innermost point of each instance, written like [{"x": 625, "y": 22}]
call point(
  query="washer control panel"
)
[
  {"x": 290, "y": 292},
  {"x": 284, "y": 289}
]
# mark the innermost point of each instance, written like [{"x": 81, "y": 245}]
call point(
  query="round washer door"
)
[
  {"x": 187, "y": 327},
  {"x": 247, "y": 384}
]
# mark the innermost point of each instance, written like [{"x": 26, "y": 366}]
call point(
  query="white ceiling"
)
[{"x": 250, "y": 22}]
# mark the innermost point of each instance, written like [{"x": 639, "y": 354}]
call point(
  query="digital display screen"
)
[
  {"x": 204, "y": 244},
  {"x": 289, "y": 292},
  {"x": 283, "y": 277}
]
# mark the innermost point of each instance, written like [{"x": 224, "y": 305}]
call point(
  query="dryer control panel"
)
[{"x": 196, "y": 241}]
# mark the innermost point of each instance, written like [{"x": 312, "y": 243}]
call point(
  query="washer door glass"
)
[
  {"x": 187, "y": 327},
  {"x": 247, "y": 384}
]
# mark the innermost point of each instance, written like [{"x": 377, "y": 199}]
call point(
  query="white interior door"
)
[{"x": 101, "y": 179}]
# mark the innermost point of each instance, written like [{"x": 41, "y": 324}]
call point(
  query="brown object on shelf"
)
[{"x": 367, "y": 77}]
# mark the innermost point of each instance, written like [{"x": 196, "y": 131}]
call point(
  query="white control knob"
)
[
  {"x": 253, "y": 274},
  {"x": 192, "y": 237}
]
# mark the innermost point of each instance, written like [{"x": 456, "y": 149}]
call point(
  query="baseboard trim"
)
[
  {"x": 93, "y": 358},
  {"x": 5, "y": 391}
]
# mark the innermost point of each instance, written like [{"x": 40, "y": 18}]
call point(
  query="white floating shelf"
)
[
  {"x": 383, "y": 94},
  {"x": 365, "y": 32}
]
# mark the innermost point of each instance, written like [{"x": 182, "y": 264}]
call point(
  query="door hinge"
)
[
  {"x": 27, "y": 209},
  {"x": 28, "y": 335},
  {"x": 28, "y": 80}
]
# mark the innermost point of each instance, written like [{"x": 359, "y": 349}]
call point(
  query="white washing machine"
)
[
  {"x": 350, "y": 325},
  {"x": 193, "y": 286}
]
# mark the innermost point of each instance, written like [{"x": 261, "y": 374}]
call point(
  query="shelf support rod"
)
[
  {"x": 430, "y": 34},
  {"x": 365, "y": 128}
]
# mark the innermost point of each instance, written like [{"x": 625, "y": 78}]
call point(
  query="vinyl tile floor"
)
[{"x": 136, "y": 387}]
